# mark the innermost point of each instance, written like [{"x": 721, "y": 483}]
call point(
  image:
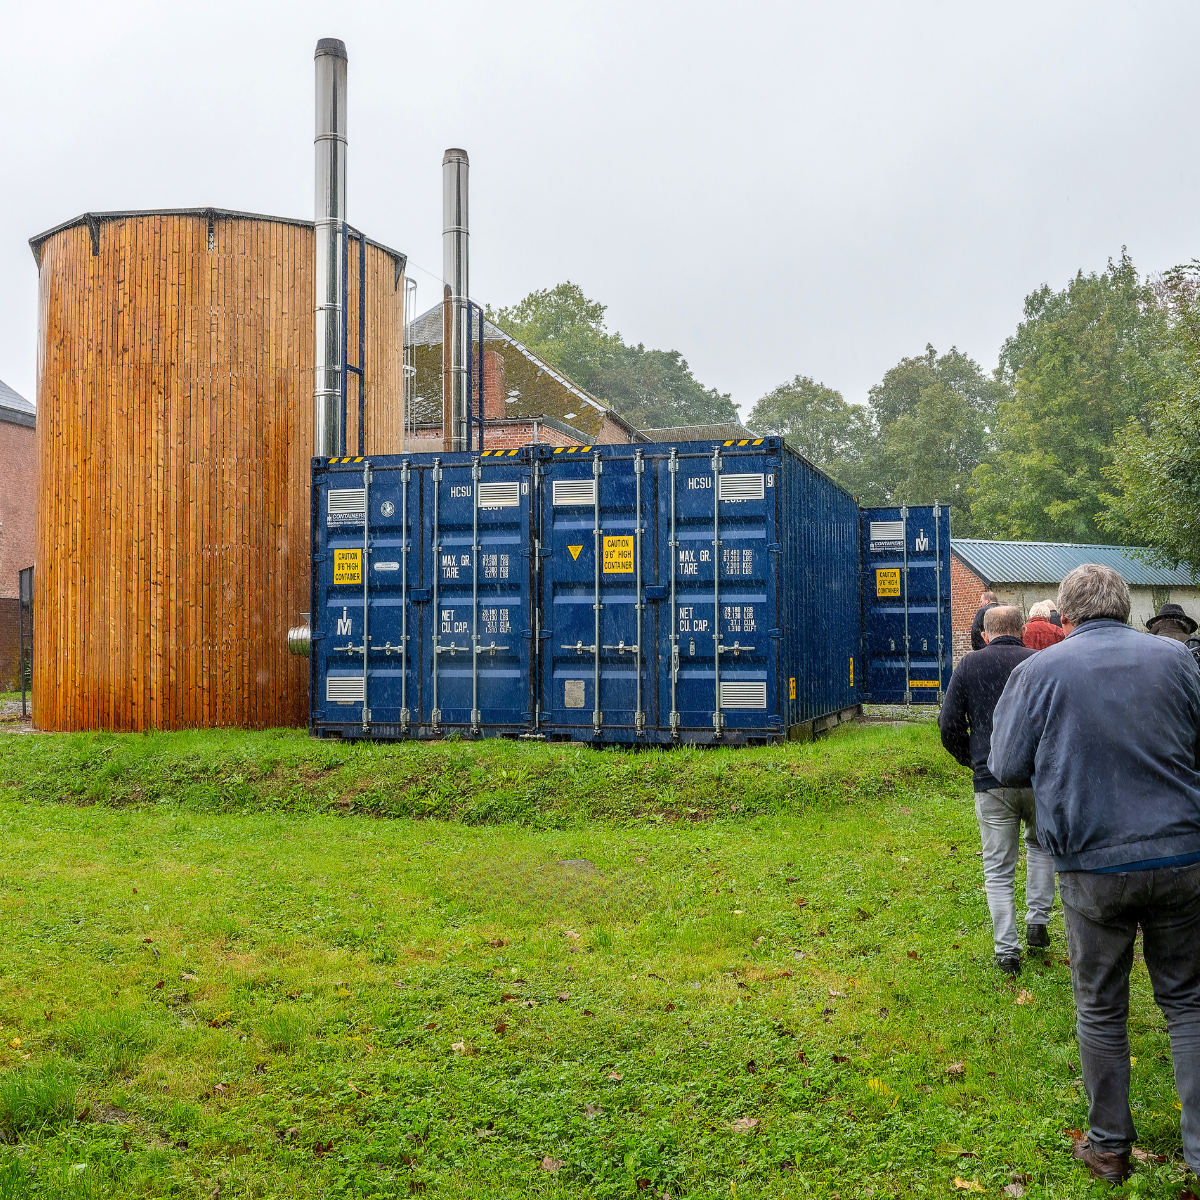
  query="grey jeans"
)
[
  {"x": 1103, "y": 913},
  {"x": 1000, "y": 813}
]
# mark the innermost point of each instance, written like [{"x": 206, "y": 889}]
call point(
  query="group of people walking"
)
[{"x": 1085, "y": 732}]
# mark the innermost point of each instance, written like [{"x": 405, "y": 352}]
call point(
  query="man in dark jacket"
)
[
  {"x": 986, "y": 600},
  {"x": 1107, "y": 725},
  {"x": 966, "y": 725}
]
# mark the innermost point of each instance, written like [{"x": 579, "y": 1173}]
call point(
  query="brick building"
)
[
  {"x": 19, "y": 455},
  {"x": 1022, "y": 573},
  {"x": 524, "y": 399}
]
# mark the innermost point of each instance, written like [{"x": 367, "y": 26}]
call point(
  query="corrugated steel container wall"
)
[
  {"x": 447, "y": 593},
  {"x": 821, "y": 560}
]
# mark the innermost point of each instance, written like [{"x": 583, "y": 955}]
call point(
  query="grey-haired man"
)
[{"x": 1107, "y": 725}]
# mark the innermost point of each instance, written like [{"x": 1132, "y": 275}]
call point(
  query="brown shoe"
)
[{"x": 1112, "y": 1168}]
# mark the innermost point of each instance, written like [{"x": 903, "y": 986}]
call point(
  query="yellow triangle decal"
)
[{"x": 575, "y": 551}]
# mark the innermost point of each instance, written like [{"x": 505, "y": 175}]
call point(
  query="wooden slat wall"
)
[{"x": 174, "y": 437}]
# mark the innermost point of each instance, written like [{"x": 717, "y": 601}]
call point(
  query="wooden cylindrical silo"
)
[{"x": 174, "y": 430}]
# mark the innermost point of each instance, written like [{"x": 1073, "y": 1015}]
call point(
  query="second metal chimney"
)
[
  {"x": 456, "y": 290},
  {"x": 330, "y": 213}
]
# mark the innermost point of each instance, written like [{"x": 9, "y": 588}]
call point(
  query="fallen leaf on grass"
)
[
  {"x": 758, "y": 941},
  {"x": 801, "y": 903},
  {"x": 615, "y": 1075},
  {"x": 296, "y": 995},
  {"x": 431, "y": 1025},
  {"x": 668, "y": 1007},
  {"x": 160, "y": 983},
  {"x": 147, "y": 941},
  {"x": 499, "y": 1027},
  {"x": 744, "y": 1124},
  {"x": 188, "y": 977},
  {"x": 529, "y": 1004},
  {"x": 587, "y": 1012},
  {"x": 219, "y": 1020},
  {"x": 570, "y": 933},
  {"x": 800, "y": 1056},
  {"x": 1188, "y": 1194},
  {"x": 643, "y": 1184},
  {"x": 14, "y": 1043},
  {"x": 1013, "y": 1189},
  {"x": 639, "y": 860},
  {"x": 913, "y": 954},
  {"x": 1146, "y": 1156},
  {"x": 840, "y": 1058},
  {"x": 1024, "y": 997},
  {"x": 509, "y": 996},
  {"x": 752, "y": 1067},
  {"x": 551, "y": 1164},
  {"x": 592, "y": 1110},
  {"x": 956, "y": 1069},
  {"x": 563, "y": 997},
  {"x": 457, "y": 1047},
  {"x": 836, "y": 994},
  {"x": 968, "y": 1185},
  {"x": 320, "y": 1148}
]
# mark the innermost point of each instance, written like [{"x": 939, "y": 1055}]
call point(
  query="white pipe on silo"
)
[
  {"x": 456, "y": 289},
  {"x": 329, "y": 215}
]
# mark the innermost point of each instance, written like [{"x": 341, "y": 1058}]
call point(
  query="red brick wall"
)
[
  {"x": 495, "y": 390},
  {"x": 17, "y": 495},
  {"x": 520, "y": 433},
  {"x": 10, "y": 644},
  {"x": 965, "y": 587}
]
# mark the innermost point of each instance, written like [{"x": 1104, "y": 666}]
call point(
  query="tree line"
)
[{"x": 1088, "y": 430}]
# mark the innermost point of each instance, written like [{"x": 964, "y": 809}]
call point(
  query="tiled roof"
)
[
  {"x": 1048, "y": 562},
  {"x": 14, "y": 408}
]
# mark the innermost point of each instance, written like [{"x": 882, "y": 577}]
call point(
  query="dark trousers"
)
[{"x": 1103, "y": 913}]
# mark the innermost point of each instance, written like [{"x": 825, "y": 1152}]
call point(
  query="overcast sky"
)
[{"x": 772, "y": 189}]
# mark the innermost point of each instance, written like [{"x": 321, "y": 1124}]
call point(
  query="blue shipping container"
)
[
  {"x": 423, "y": 562},
  {"x": 697, "y": 592},
  {"x": 701, "y": 592},
  {"x": 906, "y": 604}
]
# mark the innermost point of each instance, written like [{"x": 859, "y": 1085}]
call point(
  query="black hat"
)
[{"x": 1173, "y": 612}]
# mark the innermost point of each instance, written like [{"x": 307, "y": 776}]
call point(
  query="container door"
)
[
  {"x": 720, "y": 676},
  {"x": 478, "y": 649},
  {"x": 595, "y": 678},
  {"x": 365, "y": 521},
  {"x": 906, "y": 604}
]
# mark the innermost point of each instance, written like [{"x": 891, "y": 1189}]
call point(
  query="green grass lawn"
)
[{"x": 259, "y": 965}]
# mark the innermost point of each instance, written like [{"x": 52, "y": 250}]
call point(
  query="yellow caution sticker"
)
[
  {"x": 852, "y": 670},
  {"x": 347, "y": 566},
  {"x": 618, "y": 555},
  {"x": 887, "y": 581},
  {"x": 923, "y": 683},
  {"x": 792, "y": 688},
  {"x": 575, "y": 551}
]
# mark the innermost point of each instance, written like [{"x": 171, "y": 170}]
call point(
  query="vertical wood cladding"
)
[{"x": 174, "y": 433}]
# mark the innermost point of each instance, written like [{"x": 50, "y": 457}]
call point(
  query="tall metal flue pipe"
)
[
  {"x": 329, "y": 215},
  {"x": 456, "y": 289}
]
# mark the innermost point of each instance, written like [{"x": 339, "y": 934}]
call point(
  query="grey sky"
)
[{"x": 770, "y": 188}]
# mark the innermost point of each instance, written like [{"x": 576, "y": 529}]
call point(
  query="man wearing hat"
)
[{"x": 1171, "y": 621}]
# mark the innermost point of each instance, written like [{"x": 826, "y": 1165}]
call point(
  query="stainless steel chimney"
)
[
  {"x": 330, "y": 213},
  {"x": 456, "y": 285}
]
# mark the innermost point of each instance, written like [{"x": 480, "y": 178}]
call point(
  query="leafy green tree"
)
[
  {"x": 930, "y": 420},
  {"x": 1156, "y": 464},
  {"x": 1083, "y": 363},
  {"x": 815, "y": 419},
  {"x": 649, "y": 388}
]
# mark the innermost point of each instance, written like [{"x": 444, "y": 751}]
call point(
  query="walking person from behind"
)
[
  {"x": 1040, "y": 630},
  {"x": 986, "y": 600},
  {"x": 1106, "y": 724},
  {"x": 966, "y": 726}
]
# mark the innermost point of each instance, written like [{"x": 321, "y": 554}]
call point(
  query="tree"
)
[
  {"x": 648, "y": 388},
  {"x": 1156, "y": 464},
  {"x": 1082, "y": 364},
  {"x": 815, "y": 419},
  {"x": 930, "y": 423}
]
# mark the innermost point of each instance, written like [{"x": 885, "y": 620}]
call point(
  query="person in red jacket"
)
[{"x": 1040, "y": 630}]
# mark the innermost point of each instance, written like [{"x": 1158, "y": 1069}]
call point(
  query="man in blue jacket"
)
[
  {"x": 1107, "y": 725},
  {"x": 966, "y": 727}
]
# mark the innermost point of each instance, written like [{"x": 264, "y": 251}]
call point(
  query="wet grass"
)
[{"x": 785, "y": 992}]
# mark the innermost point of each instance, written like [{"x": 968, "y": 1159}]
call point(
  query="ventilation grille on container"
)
[
  {"x": 574, "y": 491},
  {"x": 740, "y": 693},
  {"x": 344, "y": 689},
  {"x": 742, "y": 487},
  {"x": 887, "y": 531},
  {"x": 499, "y": 495},
  {"x": 347, "y": 502}
]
